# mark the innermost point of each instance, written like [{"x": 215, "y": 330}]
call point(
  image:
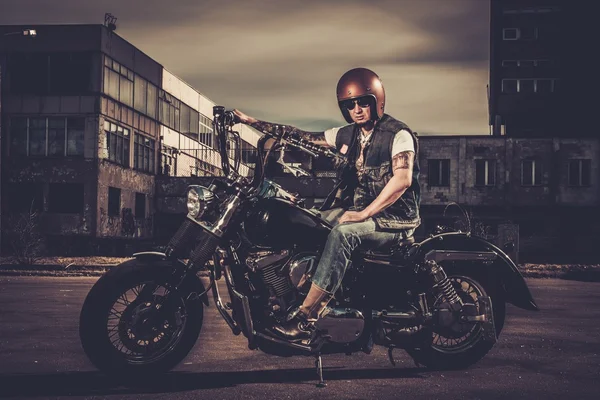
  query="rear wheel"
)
[
  {"x": 135, "y": 322},
  {"x": 460, "y": 344}
]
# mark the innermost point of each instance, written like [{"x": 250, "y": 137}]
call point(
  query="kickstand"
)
[
  {"x": 319, "y": 365},
  {"x": 391, "y": 355}
]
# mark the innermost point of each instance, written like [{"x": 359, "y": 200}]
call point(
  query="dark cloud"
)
[{"x": 280, "y": 60}]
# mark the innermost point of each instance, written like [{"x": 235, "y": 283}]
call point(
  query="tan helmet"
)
[{"x": 360, "y": 82}]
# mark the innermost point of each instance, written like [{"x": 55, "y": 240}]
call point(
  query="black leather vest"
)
[{"x": 377, "y": 171}]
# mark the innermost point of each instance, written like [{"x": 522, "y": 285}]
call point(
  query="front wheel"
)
[
  {"x": 135, "y": 322},
  {"x": 462, "y": 344}
]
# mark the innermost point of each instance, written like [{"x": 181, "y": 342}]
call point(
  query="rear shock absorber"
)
[{"x": 441, "y": 284}]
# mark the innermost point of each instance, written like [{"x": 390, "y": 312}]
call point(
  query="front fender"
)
[
  {"x": 517, "y": 291},
  {"x": 158, "y": 258}
]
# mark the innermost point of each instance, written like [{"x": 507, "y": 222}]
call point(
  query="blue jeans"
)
[{"x": 341, "y": 243}]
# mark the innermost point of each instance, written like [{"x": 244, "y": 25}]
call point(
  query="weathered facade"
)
[
  {"x": 103, "y": 141},
  {"x": 88, "y": 122}
]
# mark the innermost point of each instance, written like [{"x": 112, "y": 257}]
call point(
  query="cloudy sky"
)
[{"x": 280, "y": 60}]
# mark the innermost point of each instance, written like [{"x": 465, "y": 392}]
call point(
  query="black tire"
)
[
  {"x": 436, "y": 358},
  {"x": 98, "y": 312}
]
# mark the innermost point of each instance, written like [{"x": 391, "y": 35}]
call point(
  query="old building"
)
[
  {"x": 88, "y": 122},
  {"x": 543, "y": 71},
  {"x": 549, "y": 187},
  {"x": 103, "y": 141}
]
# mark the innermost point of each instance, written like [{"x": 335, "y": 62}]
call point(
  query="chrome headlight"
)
[{"x": 198, "y": 197}]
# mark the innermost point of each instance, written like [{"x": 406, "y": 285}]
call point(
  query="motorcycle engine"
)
[{"x": 286, "y": 276}]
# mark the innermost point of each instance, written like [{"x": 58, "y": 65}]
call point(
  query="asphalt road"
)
[{"x": 554, "y": 353}]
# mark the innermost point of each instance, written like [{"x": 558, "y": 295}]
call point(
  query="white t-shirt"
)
[{"x": 402, "y": 140}]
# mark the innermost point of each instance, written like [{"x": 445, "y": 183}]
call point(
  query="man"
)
[{"x": 383, "y": 180}]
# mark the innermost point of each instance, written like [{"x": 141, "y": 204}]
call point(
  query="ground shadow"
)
[{"x": 97, "y": 384}]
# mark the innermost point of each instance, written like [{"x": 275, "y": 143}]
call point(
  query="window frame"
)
[
  {"x": 124, "y": 75},
  {"x": 441, "y": 162},
  {"x": 536, "y": 165},
  {"x": 535, "y": 85},
  {"x": 125, "y": 135},
  {"x": 581, "y": 164},
  {"x": 46, "y": 145},
  {"x": 206, "y": 134},
  {"x": 487, "y": 173},
  {"x": 516, "y": 30},
  {"x": 139, "y": 144}
]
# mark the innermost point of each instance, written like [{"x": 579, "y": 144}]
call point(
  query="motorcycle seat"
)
[{"x": 390, "y": 249}]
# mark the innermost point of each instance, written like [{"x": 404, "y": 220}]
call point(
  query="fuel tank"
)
[{"x": 280, "y": 223}]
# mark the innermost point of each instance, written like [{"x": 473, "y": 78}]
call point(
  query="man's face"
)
[{"x": 359, "y": 109}]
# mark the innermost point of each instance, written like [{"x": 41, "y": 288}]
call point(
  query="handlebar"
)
[
  {"x": 223, "y": 120},
  {"x": 309, "y": 147}
]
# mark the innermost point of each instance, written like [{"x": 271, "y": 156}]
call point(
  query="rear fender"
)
[
  {"x": 457, "y": 246},
  {"x": 156, "y": 258}
]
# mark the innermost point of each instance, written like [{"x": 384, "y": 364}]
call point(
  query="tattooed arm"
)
[
  {"x": 270, "y": 127},
  {"x": 402, "y": 167}
]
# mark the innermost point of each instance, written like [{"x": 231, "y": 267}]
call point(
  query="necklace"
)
[{"x": 364, "y": 139}]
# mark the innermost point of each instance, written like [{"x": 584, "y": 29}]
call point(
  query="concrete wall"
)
[
  {"x": 552, "y": 155},
  {"x": 440, "y": 148},
  {"x": 47, "y": 171},
  {"x": 566, "y": 149},
  {"x": 488, "y": 149},
  {"x": 125, "y": 225}
]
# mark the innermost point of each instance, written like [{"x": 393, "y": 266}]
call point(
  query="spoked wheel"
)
[
  {"x": 457, "y": 343},
  {"x": 135, "y": 322},
  {"x": 460, "y": 336},
  {"x": 145, "y": 323}
]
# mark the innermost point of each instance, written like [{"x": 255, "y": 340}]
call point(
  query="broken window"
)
[
  {"x": 117, "y": 140},
  {"x": 52, "y": 136},
  {"x": 114, "y": 201},
  {"x": 439, "y": 172},
  {"x": 580, "y": 172},
  {"x": 75, "y": 136},
  {"x": 37, "y": 136},
  {"x": 66, "y": 198},
  {"x": 56, "y": 136},
  {"x": 485, "y": 172},
  {"x": 169, "y": 108},
  {"x": 167, "y": 160},
  {"x": 143, "y": 153},
  {"x": 140, "y": 206}
]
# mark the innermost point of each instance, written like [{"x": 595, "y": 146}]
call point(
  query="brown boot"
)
[{"x": 299, "y": 327}]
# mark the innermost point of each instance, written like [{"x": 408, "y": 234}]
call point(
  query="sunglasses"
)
[{"x": 362, "y": 102}]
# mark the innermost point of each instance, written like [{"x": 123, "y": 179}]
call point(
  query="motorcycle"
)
[{"x": 442, "y": 300}]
